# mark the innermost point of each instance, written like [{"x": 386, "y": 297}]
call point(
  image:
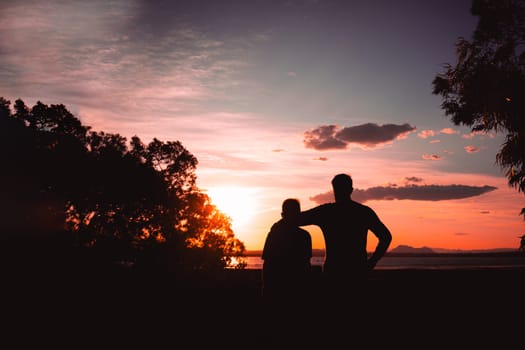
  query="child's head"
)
[{"x": 290, "y": 208}]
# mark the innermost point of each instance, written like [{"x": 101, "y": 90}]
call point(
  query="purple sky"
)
[{"x": 274, "y": 98}]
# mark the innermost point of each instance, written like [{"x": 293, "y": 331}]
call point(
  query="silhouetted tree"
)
[
  {"x": 486, "y": 88},
  {"x": 138, "y": 203},
  {"x": 208, "y": 233}
]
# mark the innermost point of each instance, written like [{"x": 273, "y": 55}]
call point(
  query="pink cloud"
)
[
  {"x": 449, "y": 131},
  {"x": 426, "y": 133},
  {"x": 431, "y": 157},
  {"x": 471, "y": 149}
]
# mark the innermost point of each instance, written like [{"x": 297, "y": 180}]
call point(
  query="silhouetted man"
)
[{"x": 345, "y": 225}]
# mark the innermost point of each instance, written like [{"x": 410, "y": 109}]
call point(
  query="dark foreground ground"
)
[{"x": 423, "y": 309}]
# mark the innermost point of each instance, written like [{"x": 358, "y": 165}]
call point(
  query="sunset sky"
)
[{"x": 276, "y": 97}]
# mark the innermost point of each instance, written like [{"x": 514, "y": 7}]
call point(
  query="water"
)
[{"x": 443, "y": 261}]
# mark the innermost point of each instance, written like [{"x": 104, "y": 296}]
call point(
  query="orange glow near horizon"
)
[
  {"x": 239, "y": 203},
  {"x": 490, "y": 221}
]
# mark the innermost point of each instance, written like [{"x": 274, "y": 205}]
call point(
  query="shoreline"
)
[
  {"x": 429, "y": 261},
  {"x": 473, "y": 253}
]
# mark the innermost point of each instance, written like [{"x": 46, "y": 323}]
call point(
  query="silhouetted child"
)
[
  {"x": 286, "y": 277},
  {"x": 286, "y": 256}
]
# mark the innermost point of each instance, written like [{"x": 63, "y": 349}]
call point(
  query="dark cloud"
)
[
  {"x": 321, "y": 198},
  {"x": 412, "y": 192},
  {"x": 372, "y": 134},
  {"x": 327, "y": 137},
  {"x": 413, "y": 179},
  {"x": 323, "y": 138}
]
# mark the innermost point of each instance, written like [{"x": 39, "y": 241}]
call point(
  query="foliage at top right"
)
[{"x": 485, "y": 89}]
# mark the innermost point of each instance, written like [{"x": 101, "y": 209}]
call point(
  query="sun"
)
[{"x": 239, "y": 203}]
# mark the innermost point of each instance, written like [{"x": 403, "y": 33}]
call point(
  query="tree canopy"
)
[
  {"x": 485, "y": 89},
  {"x": 115, "y": 200}
]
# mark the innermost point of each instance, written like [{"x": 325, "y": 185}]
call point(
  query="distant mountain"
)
[{"x": 404, "y": 249}]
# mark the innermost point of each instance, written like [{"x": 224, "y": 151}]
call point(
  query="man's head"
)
[{"x": 343, "y": 186}]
